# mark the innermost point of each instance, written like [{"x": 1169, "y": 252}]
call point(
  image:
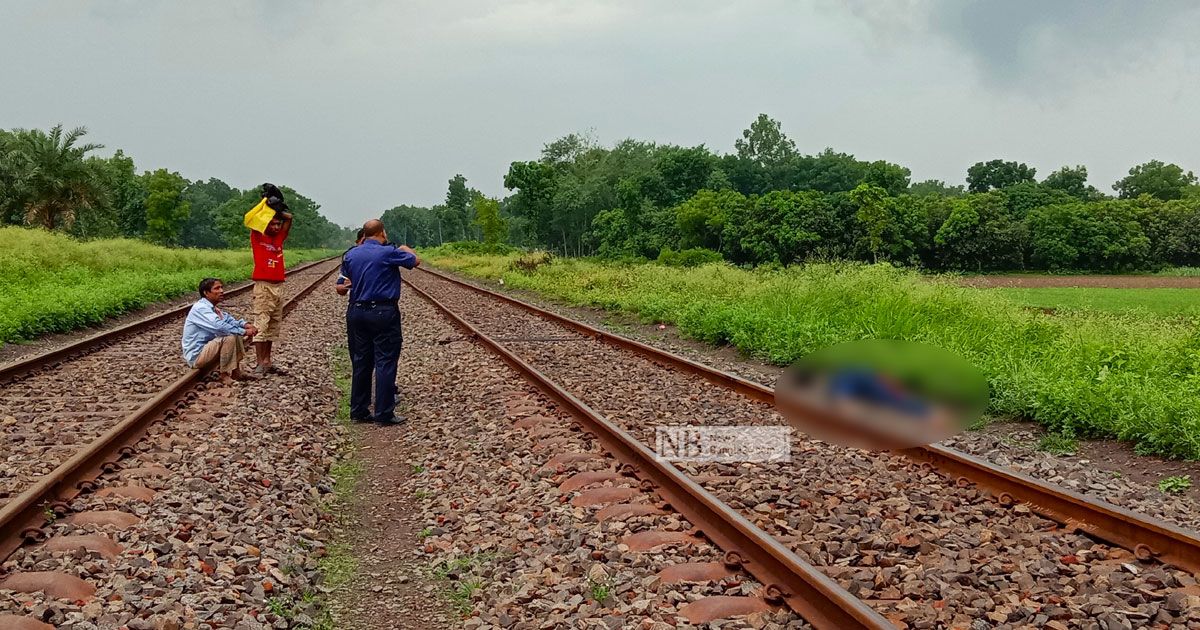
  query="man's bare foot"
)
[{"x": 238, "y": 375}]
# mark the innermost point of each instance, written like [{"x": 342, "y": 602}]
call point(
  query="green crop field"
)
[
  {"x": 54, "y": 283},
  {"x": 1162, "y": 302},
  {"x": 1081, "y": 373}
]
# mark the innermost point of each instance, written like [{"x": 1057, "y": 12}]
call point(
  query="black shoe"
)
[
  {"x": 391, "y": 421},
  {"x": 363, "y": 420}
]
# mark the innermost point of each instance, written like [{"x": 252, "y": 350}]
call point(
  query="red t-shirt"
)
[{"x": 268, "y": 255}]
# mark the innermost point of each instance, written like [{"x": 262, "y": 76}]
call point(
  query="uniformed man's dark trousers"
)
[{"x": 373, "y": 330}]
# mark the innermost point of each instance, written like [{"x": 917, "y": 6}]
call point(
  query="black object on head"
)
[
  {"x": 276, "y": 204},
  {"x": 206, "y": 285},
  {"x": 271, "y": 190}
]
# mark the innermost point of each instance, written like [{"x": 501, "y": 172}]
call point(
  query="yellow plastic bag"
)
[{"x": 259, "y": 217}]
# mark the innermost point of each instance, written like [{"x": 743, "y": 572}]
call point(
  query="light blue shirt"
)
[{"x": 203, "y": 324}]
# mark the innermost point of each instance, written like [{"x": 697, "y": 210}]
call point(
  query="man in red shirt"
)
[{"x": 268, "y": 287}]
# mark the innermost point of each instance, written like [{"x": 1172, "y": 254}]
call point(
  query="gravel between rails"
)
[
  {"x": 232, "y": 537},
  {"x": 502, "y": 543},
  {"x": 925, "y": 552},
  {"x": 48, "y": 415}
]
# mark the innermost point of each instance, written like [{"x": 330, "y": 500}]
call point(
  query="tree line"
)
[
  {"x": 51, "y": 179},
  {"x": 767, "y": 203}
]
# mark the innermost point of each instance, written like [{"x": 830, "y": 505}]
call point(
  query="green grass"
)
[
  {"x": 54, "y": 283},
  {"x": 1159, "y": 301},
  {"x": 1086, "y": 374},
  {"x": 460, "y": 578},
  {"x": 1058, "y": 444},
  {"x": 1180, "y": 271},
  {"x": 1174, "y": 485}
]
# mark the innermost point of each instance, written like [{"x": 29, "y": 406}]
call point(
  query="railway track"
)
[
  {"x": 925, "y": 538},
  {"x": 72, "y": 413}
]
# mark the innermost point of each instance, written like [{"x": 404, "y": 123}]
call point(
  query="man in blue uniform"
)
[{"x": 373, "y": 322}]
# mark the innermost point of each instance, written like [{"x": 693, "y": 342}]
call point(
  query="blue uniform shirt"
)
[{"x": 374, "y": 271}]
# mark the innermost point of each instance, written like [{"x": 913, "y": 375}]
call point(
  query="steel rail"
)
[
  {"x": 787, "y": 579},
  {"x": 28, "y": 364},
  {"x": 22, "y": 517},
  {"x": 1147, "y": 537}
]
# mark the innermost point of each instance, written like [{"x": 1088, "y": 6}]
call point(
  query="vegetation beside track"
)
[
  {"x": 54, "y": 283},
  {"x": 1079, "y": 373}
]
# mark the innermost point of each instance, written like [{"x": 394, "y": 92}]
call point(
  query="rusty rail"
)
[
  {"x": 1147, "y": 537},
  {"x": 29, "y": 364},
  {"x": 797, "y": 584},
  {"x": 22, "y": 517}
]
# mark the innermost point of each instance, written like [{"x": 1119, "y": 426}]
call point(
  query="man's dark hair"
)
[
  {"x": 207, "y": 284},
  {"x": 359, "y": 236}
]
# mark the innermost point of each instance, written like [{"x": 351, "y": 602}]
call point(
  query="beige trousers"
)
[{"x": 229, "y": 348}]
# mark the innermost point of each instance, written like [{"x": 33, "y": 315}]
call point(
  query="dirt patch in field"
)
[{"x": 1091, "y": 281}]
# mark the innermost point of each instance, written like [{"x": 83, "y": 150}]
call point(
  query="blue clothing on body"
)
[
  {"x": 374, "y": 271},
  {"x": 866, "y": 385},
  {"x": 203, "y": 324}
]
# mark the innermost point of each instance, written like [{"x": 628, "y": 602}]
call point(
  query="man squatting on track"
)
[
  {"x": 210, "y": 332},
  {"x": 372, "y": 271},
  {"x": 268, "y": 279}
]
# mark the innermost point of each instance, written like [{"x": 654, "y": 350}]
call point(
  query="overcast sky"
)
[{"x": 367, "y": 104}]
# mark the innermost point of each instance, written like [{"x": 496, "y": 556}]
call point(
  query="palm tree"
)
[{"x": 53, "y": 177}]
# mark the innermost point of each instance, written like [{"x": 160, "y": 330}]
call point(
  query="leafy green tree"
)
[
  {"x": 1023, "y": 197},
  {"x": 534, "y": 183},
  {"x": 781, "y": 227},
  {"x": 682, "y": 172},
  {"x": 12, "y": 201},
  {"x": 205, "y": 197},
  {"x": 997, "y": 174},
  {"x": 412, "y": 225},
  {"x": 1102, "y": 236},
  {"x": 764, "y": 143},
  {"x": 701, "y": 219},
  {"x": 487, "y": 218},
  {"x": 1073, "y": 181},
  {"x": 935, "y": 187},
  {"x": 892, "y": 178},
  {"x": 829, "y": 171},
  {"x": 166, "y": 209},
  {"x": 457, "y": 219},
  {"x": 613, "y": 233},
  {"x": 1056, "y": 233},
  {"x": 1154, "y": 178},
  {"x": 980, "y": 234},
  {"x": 874, "y": 214},
  {"x": 126, "y": 196},
  {"x": 1173, "y": 228},
  {"x": 53, "y": 180}
]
